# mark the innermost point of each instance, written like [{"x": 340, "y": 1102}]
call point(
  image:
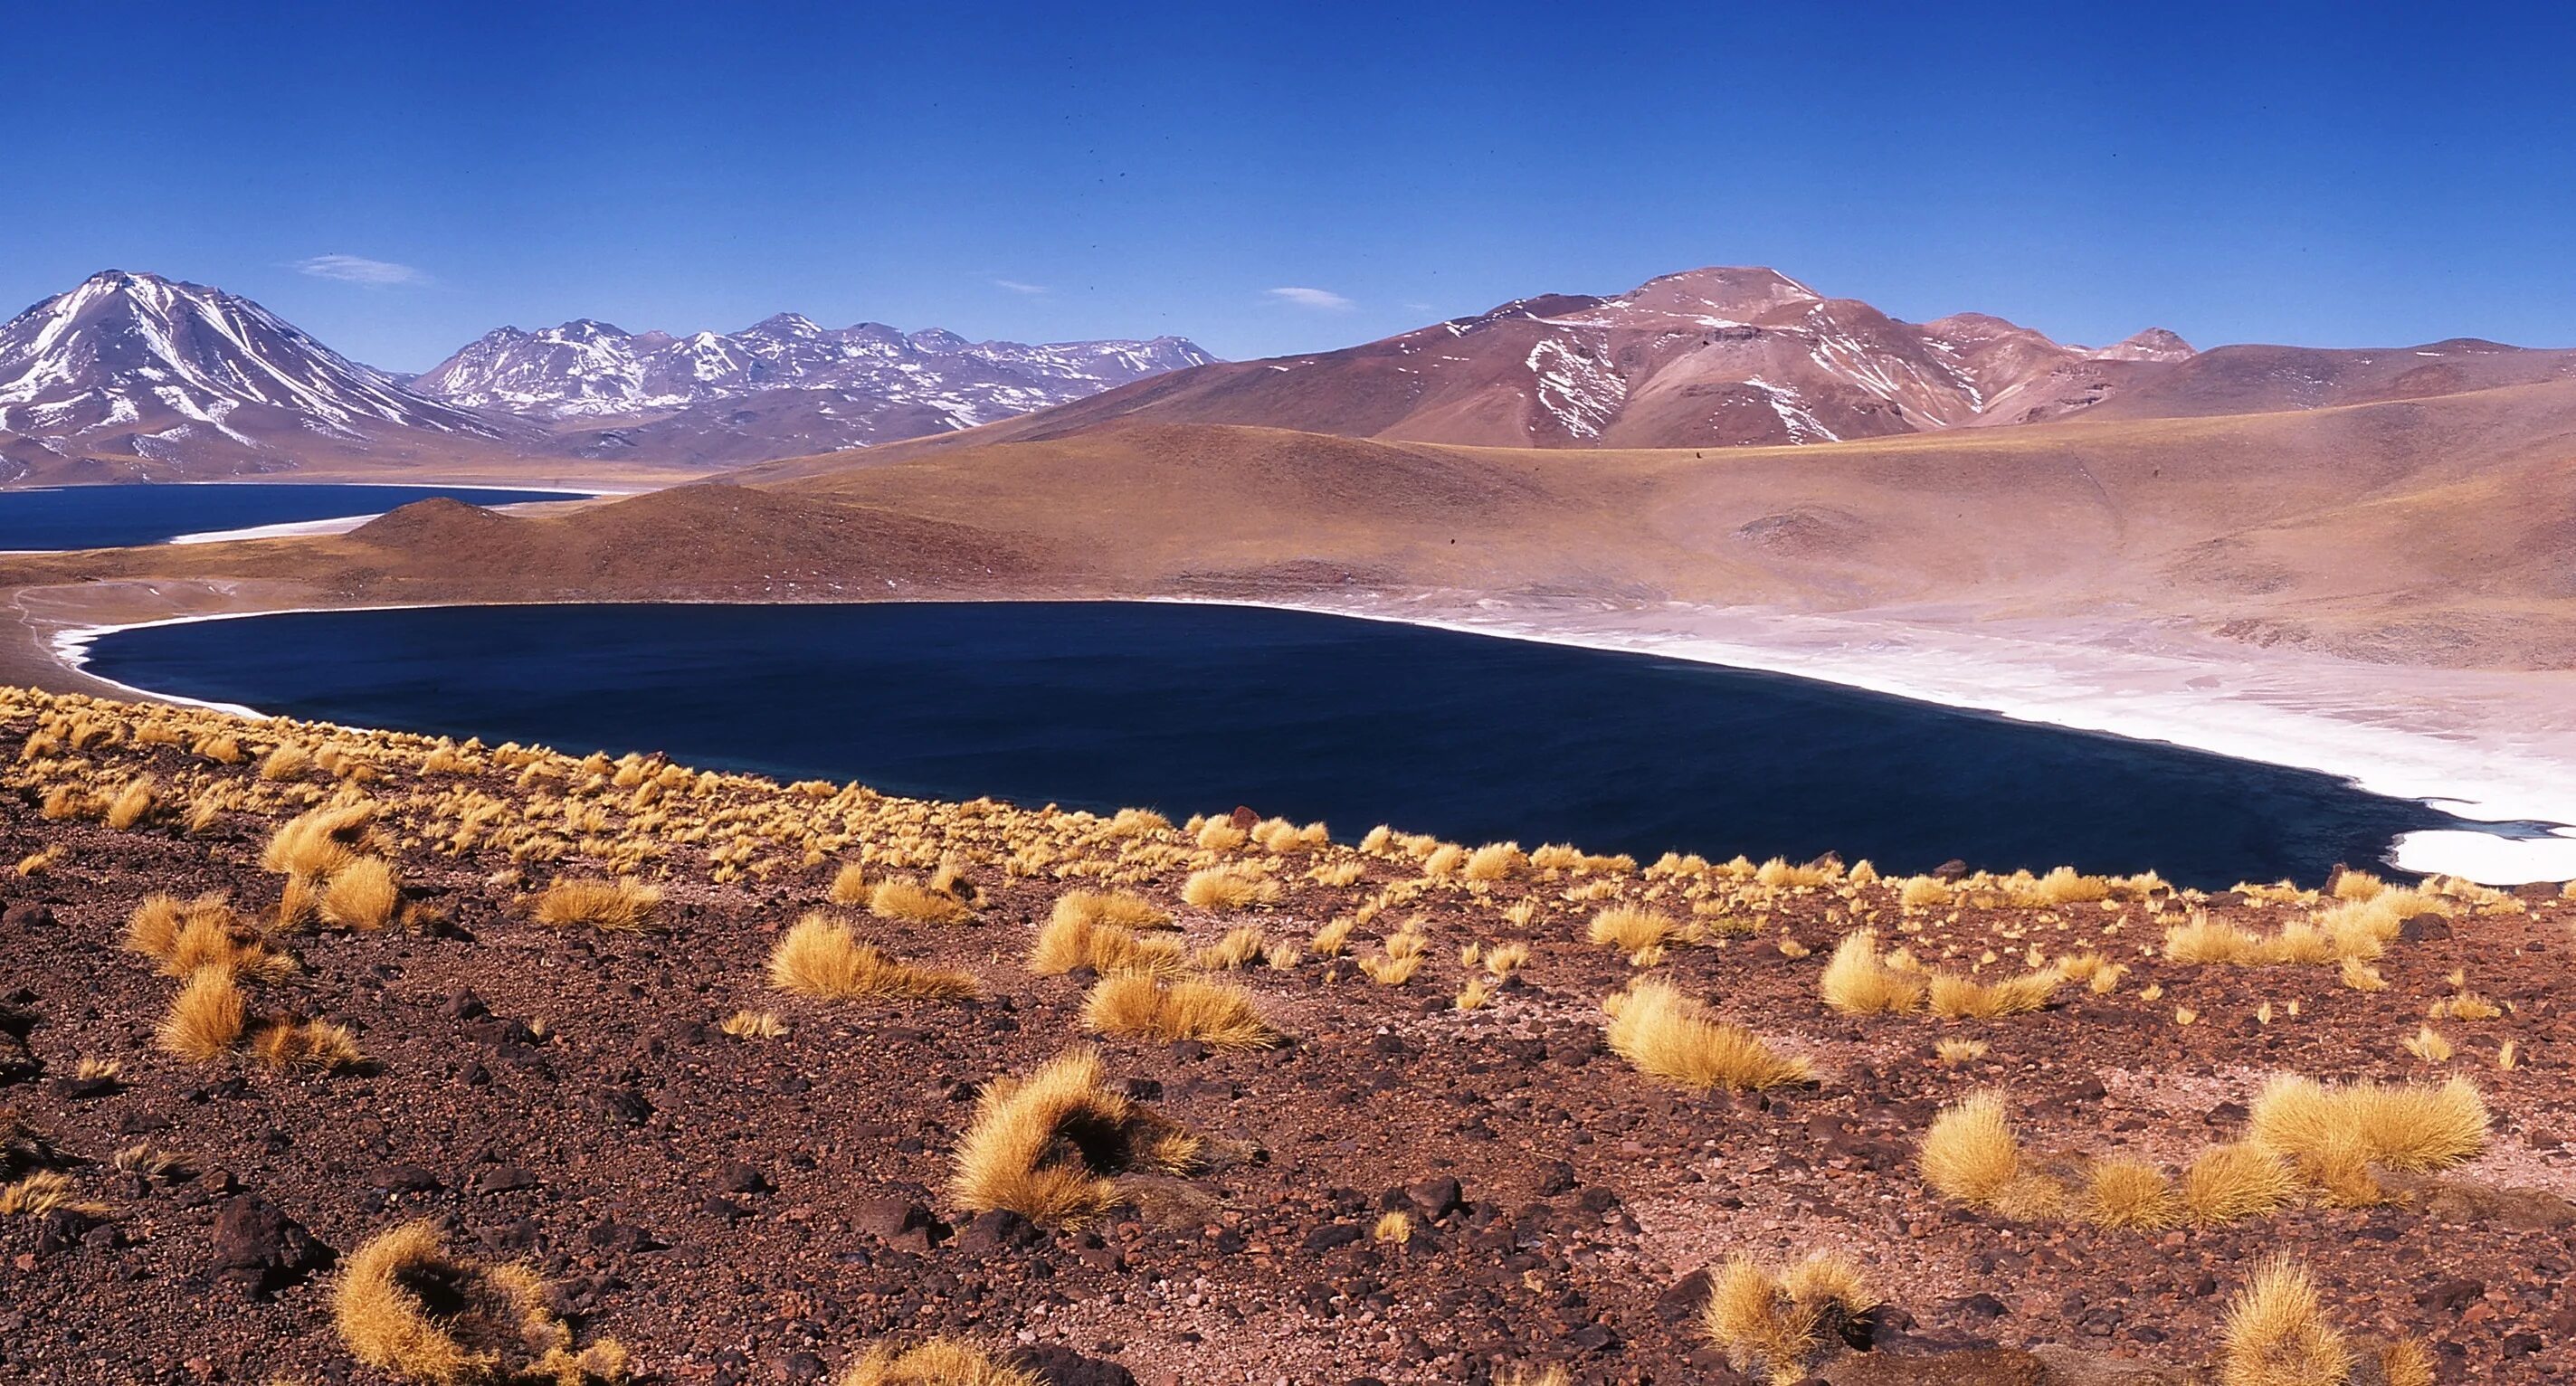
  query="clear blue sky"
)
[{"x": 2335, "y": 175}]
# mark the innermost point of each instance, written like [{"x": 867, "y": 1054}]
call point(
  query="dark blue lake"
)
[
  {"x": 99, "y": 517},
  {"x": 1200, "y": 708}
]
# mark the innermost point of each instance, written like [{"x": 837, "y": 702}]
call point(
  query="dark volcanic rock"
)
[{"x": 257, "y": 1247}]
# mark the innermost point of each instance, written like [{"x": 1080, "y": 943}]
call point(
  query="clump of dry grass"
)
[
  {"x": 616, "y": 905},
  {"x": 1965, "y": 998},
  {"x": 1955, "y": 1050},
  {"x": 1115, "y": 908},
  {"x": 318, "y": 842},
  {"x": 1141, "y": 1006},
  {"x": 132, "y": 804},
  {"x": 1076, "y": 938},
  {"x": 820, "y": 957},
  {"x": 1395, "y": 1228},
  {"x": 1971, "y": 1155},
  {"x": 1227, "y": 888},
  {"x": 315, "y": 1045},
  {"x": 749, "y": 1024},
  {"x": 406, "y": 1304},
  {"x": 1857, "y": 982},
  {"x": 1237, "y": 949},
  {"x": 153, "y": 928},
  {"x": 1775, "y": 1325},
  {"x": 2275, "y": 1333},
  {"x": 2130, "y": 1194},
  {"x": 2428, "y": 1044},
  {"x": 47, "y": 1192},
  {"x": 849, "y": 887},
  {"x": 2404, "y": 1126},
  {"x": 1050, "y": 1147},
  {"x": 205, "y": 1019},
  {"x": 938, "y": 1362},
  {"x": 1495, "y": 861},
  {"x": 1629, "y": 929},
  {"x": 917, "y": 904},
  {"x": 362, "y": 895},
  {"x": 1670, "y": 1036},
  {"x": 2229, "y": 1183}
]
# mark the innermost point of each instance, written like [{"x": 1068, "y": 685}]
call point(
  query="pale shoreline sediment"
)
[{"x": 2490, "y": 747}]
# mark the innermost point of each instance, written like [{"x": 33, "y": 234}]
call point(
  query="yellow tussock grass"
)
[
  {"x": 1774, "y": 1325},
  {"x": 2130, "y": 1194},
  {"x": 849, "y": 886},
  {"x": 1629, "y": 929},
  {"x": 1070, "y": 940},
  {"x": 1971, "y": 1154},
  {"x": 2414, "y": 1127},
  {"x": 1330, "y": 940},
  {"x": 2427, "y": 1044},
  {"x": 1238, "y": 948},
  {"x": 47, "y": 1191},
  {"x": 1222, "y": 888},
  {"x": 317, "y": 1045},
  {"x": 131, "y": 804},
  {"x": 749, "y": 1024},
  {"x": 938, "y": 1362},
  {"x": 1116, "y": 908},
  {"x": 153, "y": 928},
  {"x": 1495, "y": 861},
  {"x": 1394, "y": 1227},
  {"x": 2275, "y": 1333},
  {"x": 1670, "y": 1036},
  {"x": 1140, "y": 1006},
  {"x": 616, "y": 905},
  {"x": 206, "y": 1017},
  {"x": 1856, "y": 982},
  {"x": 1049, "y": 1147},
  {"x": 362, "y": 895},
  {"x": 1965, "y": 998},
  {"x": 317, "y": 842},
  {"x": 917, "y": 904},
  {"x": 2229, "y": 1183},
  {"x": 819, "y": 957},
  {"x": 405, "y": 1304}
]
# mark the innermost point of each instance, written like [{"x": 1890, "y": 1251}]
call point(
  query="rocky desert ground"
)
[{"x": 334, "y": 1055}]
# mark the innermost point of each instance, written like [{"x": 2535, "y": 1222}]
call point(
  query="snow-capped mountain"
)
[
  {"x": 878, "y": 381},
  {"x": 139, "y": 365}
]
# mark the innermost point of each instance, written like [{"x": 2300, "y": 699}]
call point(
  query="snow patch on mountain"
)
[{"x": 591, "y": 370}]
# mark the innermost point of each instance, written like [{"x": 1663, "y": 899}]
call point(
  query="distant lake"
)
[
  {"x": 100, "y": 517},
  {"x": 1195, "y": 709}
]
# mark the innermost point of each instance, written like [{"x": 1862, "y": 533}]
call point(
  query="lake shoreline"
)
[{"x": 2133, "y": 694}]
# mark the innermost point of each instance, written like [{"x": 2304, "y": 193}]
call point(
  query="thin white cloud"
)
[
  {"x": 1017, "y": 287},
  {"x": 358, "y": 269},
  {"x": 1322, "y": 300}
]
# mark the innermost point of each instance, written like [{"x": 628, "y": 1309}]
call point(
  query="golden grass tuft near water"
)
[
  {"x": 1049, "y": 1147},
  {"x": 1672, "y": 1037},
  {"x": 1140, "y": 1006},
  {"x": 821, "y": 958}
]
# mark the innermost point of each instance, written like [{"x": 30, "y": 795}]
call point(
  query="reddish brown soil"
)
[{"x": 747, "y": 1210}]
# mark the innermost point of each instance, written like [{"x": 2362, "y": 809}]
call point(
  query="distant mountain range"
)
[
  {"x": 780, "y": 386},
  {"x": 136, "y": 375},
  {"x": 1733, "y": 357}
]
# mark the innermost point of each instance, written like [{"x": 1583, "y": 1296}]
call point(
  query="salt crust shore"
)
[{"x": 2487, "y": 746}]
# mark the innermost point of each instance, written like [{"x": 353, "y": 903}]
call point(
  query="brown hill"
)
[
  {"x": 1727, "y": 357},
  {"x": 2429, "y": 531}
]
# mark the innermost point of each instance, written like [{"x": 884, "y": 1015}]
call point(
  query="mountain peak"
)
[
  {"x": 162, "y": 364},
  {"x": 2154, "y": 344},
  {"x": 1725, "y": 293}
]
